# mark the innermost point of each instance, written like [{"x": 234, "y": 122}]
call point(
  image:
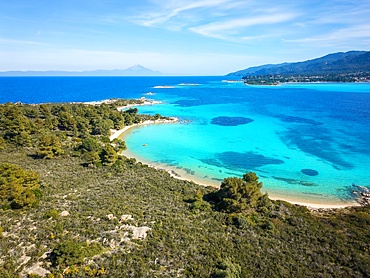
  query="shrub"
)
[
  {"x": 18, "y": 187},
  {"x": 237, "y": 195},
  {"x": 52, "y": 213},
  {"x": 71, "y": 252}
]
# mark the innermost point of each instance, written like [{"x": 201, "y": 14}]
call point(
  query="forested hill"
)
[
  {"x": 72, "y": 206},
  {"x": 336, "y": 63}
]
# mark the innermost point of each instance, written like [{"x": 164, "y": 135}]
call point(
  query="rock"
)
[
  {"x": 126, "y": 217},
  {"x": 112, "y": 244},
  {"x": 140, "y": 232},
  {"x": 23, "y": 260},
  {"x": 45, "y": 255},
  {"x": 36, "y": 269},
  {"x": 110, "y": 216},
  {"x": 64, "y": 213},
  {"x": 137, "y": 232}
]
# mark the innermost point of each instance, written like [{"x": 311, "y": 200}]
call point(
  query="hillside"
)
[
  {"x": 332, "y": 64},
  {"x": 96, "y": 214}
]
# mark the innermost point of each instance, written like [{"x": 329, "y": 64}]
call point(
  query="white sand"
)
[{"x": 117, "y": 133}]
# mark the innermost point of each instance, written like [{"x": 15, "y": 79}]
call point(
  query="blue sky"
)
[{"x": 204, "y": 37}]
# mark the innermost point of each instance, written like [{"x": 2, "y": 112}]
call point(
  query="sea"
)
[{"x": 307, "y": 142}]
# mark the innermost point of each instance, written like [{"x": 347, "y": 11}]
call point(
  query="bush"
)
[
  {"x": 51, "y": 213},
  {"x": 71, "y": 252},
  {"x": 237, "y": 195},
  {"x": 49, "y": 146},
  {"x": 2, "y": 143},
  {"x": 18, "y": 187},
  {"x": 227, "y": 269}
]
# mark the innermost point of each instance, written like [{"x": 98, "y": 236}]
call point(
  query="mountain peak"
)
[
  {"x": 137, "y": 67},
  {"x": 140, "y": 70}
]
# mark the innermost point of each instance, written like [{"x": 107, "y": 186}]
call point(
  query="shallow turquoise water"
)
[
  {"x": 306, "y": 142},
  {"x": 276, "y": 131}
]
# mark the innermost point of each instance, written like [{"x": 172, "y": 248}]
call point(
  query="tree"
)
[
  {"x": 108, "y": 155},
  {"x": 66, "y": 121},
  {"x": 132, "y": 111},
  {"x": 239, "y": 194},
  {"x": 16, "y": 126},
  {"x": 90, "y": 145},
  {"x": 18, "y": 187},
  {"x": 227, "y": 269},
  {"x": 119, "y": 145},
  {"x": 102, "y": 127},
  {"x": 45, "y": 111},
  {"x": 49, "y": 146},
  {"x": 91, "y": 158},
  {"x": 50, "y": 122},
  {"x": 117, "y": 119},
  {"x": 82, "y": 126}
]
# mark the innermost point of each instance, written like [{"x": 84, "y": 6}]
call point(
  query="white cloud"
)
[
  {"x": 168, "y": 10},
  {"x": 347, "y": 35},
  {"x": 222, "y": 19},
  {"x": 225, "y": 28},
  {"x": 20, "y": 42}
]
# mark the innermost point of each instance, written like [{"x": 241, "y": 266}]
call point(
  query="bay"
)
[{"x": 306, "y": 142}]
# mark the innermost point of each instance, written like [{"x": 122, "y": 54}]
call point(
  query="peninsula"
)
[{"x": 352, "y": 66}]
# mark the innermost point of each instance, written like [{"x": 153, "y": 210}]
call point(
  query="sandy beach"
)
[
  {"x": 117, "y": 133},
  {"x": 183, "y": 175}
]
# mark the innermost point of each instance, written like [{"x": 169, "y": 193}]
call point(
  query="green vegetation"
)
[
  {"x": 71, "y": 252},
  {"x": 275, "y": 79},
  {"x": 239, "y": 195},
  {"x": 18, "y": 187},
  {"x": 351, "y": 66},
  {"x": 87, "y": 219}
]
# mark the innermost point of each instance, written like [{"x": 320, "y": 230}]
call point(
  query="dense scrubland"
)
[{"x": 71, "y": 206}]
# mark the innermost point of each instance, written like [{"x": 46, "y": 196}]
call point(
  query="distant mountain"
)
[
  {"x": 136, "y": 70},
  {"x": 336, "y": 63}
]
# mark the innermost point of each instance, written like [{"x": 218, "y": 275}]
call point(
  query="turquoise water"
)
[{"x": 306, "y": 142}]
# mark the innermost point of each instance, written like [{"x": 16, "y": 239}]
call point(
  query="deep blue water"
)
[
  {"x": 75, "y": 89},
  {"x": 305, "y": 141}
]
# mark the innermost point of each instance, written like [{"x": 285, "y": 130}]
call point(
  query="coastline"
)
[
  {"x": 183, "y": 175},
  {"x": 117, "y": 133},
  {"x": 144, "y": 103}
]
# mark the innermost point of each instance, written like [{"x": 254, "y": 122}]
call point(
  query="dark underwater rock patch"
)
[
  {"x": 310, "y": 172},
  {"x": 318, "y": 141},
  {"x": 231, "y": 121},
  {"x": 242, "y": 162},
  {"x": 294, "y": 181},
  {"x": 299, "y": 120}
]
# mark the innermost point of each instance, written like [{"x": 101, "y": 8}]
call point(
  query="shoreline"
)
[
  {"x": 144, "y": 103},
  {"x": 117, "y": 133},
  {"x": 183, "y": 175}
]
